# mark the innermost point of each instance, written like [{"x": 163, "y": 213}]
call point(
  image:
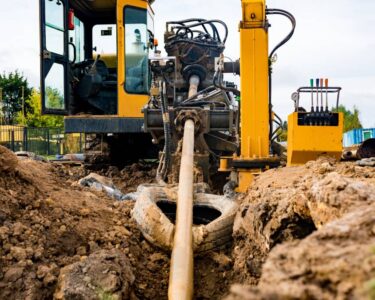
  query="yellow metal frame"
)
[
  {"x": 254, "y": 87},
  {"x": 307, "y": 143},
  {"x": 129, "y": 105}
]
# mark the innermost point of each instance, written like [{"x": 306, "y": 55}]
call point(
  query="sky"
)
[{"x": 334, "y": 39}]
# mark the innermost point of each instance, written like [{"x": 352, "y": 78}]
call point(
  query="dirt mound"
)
[
  {"x": 336, "y": 262},
  {"x": 287, "y": 205},
  {"x": 102, "y": 275},
  {"x": 47, "y": 223}
]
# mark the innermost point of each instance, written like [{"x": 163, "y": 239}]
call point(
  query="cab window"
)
[
  {"x": 77, "y": 38},
  {"x": 136, "y": 51},
  {"x": 104, "y": 39}
]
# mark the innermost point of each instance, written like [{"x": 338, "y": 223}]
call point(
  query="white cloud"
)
[{"x": 333, "y": 39}]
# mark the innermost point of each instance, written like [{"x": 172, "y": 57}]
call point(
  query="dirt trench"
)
[{"x": 300, "y": 233}]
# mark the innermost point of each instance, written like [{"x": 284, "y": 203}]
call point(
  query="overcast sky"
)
[{"x": 334, "y": 39}]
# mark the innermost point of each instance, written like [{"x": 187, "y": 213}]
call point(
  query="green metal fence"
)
[{"x": 42, "y": 141}]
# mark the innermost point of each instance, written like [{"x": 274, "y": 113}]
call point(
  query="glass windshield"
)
[{"x": 136, "y": 50}]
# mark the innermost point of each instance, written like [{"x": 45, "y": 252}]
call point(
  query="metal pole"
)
[
  {"x": 23, "y": 105},
  {"x": 181, "y": 273}
]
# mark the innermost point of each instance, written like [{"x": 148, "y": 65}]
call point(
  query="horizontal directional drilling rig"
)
[{"x": 188, "y": 85}]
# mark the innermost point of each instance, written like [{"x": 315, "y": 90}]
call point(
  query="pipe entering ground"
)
[{"x": 181, "y": 274}]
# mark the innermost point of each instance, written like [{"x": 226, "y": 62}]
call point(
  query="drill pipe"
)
[
  {"x": 181, "y": 272},
  {"x": 194, "y": 82}
]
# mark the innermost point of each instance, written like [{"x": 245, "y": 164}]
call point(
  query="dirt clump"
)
[
  {"x": 335, "y": 195},
  {"x": 104, "y": 274},
  {"x": 335, "y": 262},
  {"x": 272, "y": 212}
]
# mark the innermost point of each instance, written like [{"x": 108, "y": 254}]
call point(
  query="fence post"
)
[
  {"x": 48, "y": 150},
  {"x": 13, "y": 145},
  {"x": 25, "y": 141},
  {"x": 80, "y": 143}
]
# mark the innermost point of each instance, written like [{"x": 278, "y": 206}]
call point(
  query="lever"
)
[
  {"x": 312, "y": 94},
  {"x": 326, "y": 84},
  {"x": 317, "y": 94}
]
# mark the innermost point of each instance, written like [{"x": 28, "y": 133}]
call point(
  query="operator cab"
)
[{"x": 88, "y": 68}]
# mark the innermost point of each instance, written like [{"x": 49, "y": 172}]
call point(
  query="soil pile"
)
[
  {"x": 57, "y": 237},
  {"x": 307, "y": 233}
]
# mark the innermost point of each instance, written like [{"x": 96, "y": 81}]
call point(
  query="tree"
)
[
  {"x": 34, "y": 117},
  {"x": 11, "y": 85},
  {"x": 282, "y": 132},
  {"x": 54, "y": 98},
  {"x": 351, "y": 118}
]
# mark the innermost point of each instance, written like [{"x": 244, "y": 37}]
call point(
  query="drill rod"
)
[
  {"x": 181, "y": 270},
  {"x": 194, "y": 82}
]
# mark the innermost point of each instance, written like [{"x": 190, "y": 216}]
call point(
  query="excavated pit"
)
[{"x": 202, "y": 215}]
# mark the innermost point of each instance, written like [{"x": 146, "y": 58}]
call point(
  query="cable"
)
[
  {"x": 292, "y": 19},
  {"x": 220, "y": 85},
  {"x": 186, "y": 32},
  {"x": 274, "y": 11}
]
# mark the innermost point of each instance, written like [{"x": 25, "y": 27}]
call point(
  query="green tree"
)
[
  {"x": 34, "y": 117},
  {"x": 282, "y": 132},
  {"x": 11, "y": 85},
  {"x": 351, "y": 118},
  {"x": 54, "y": 98}
]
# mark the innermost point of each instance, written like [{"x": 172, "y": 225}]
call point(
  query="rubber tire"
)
[{"x": 159, "y": 230}]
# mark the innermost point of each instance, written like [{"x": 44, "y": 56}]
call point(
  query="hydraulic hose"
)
[
  {"x": 281, "y": 12},
  {"x": 201, "y": 22},
  {"x": 219, "y": 85},
  {"x": 275, "y": 11}
]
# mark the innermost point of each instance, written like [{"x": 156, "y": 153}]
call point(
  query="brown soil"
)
[
  {"x": 51, "y": 230},
  {"x": 301, "y": 233},
  {"x": 307, "y": 233}
]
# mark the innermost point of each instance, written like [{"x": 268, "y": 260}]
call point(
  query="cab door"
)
[
  {"x": 134, "y": 19},
  {"x": 54, "y": 56}
]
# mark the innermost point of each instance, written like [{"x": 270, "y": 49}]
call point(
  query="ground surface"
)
[{"x": 301, "y": 233}]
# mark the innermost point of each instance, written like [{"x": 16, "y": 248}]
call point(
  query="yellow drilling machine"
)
[{"x": 100, "y": 67}]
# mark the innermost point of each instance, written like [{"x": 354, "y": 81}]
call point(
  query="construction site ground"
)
[{"x": 301, "y": 233}]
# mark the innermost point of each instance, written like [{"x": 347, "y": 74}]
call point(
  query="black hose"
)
[
  {"x": 274, "y": 11},
  {"x": 219, "y": 85},
  {"x": 184, "y": 32},
  {"x": 202, "y": 22}
]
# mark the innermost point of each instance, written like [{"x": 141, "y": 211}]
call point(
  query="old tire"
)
[{"x": 159, "y": 230}]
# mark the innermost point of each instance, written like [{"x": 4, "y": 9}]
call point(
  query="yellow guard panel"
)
[{"x": 307, "y": 143}]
